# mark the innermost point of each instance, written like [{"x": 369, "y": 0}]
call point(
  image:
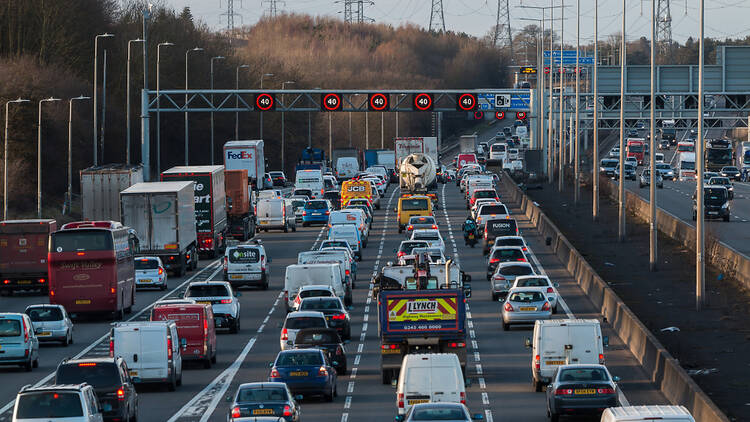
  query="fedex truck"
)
[{"x": 246, "y": 155}]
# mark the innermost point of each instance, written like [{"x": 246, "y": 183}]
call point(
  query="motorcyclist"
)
[{"x": 469, "y": 227}]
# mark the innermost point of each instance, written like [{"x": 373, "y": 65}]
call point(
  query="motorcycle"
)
[{"x": 471, "y": 239}]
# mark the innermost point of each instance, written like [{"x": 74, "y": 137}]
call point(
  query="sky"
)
[{"x": 723, "y": 18}]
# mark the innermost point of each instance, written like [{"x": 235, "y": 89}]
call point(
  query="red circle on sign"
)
[
  {"x": 337, "y": 98},
  {"x": 420, "y": 96},
  {"x": 520, "y": 115},
  {"x": 259, "y": 102},
  {"x": 374, "y": 106},
  {"x": 478, "y": 115},
  {"x": 461, "y": 102},
  {"x": 499, "y": 115}
]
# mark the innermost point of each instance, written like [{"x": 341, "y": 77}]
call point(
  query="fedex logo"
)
[{"x": 239, "y": 155}]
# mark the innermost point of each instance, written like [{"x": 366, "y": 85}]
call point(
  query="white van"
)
[
  {"x": 298, "y": 275},
  {"x": 351, "y": 234},
  {"x": 151, "y": 349},
  {"x": 347, "y": 167},
  {"x": 647, "y": 413},
  {"x": 275, "y": 214},
  {"x": 498, "y": 151},
  {"x": 561, "y": 342},
  {"x": 429, "y": 378},
  {"x": 310, "y": 179}
]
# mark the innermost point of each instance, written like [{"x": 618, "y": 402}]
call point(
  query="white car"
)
[
  {"x": 34, "y": 401},
  {"x": 543, "y": 282},
  {"x": 431, "y": 236},
  {"x": 296, "y": 321},
  {"x": 150, "y": 272},
  {"x": 51, "y": 323},
  {"x": 615, "y": 152},
  {"x": 479, "y": 202},
  {"x": 632, "y": 160},
  {"x": 511, "y": 241},
  {"x": 490, "y": 211},
  {"x": 223, "y": 300}
]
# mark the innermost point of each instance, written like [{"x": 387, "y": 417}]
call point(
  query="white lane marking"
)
[
  {"x": 472, "y": 334},
  {"x": 488, "y": 415},
  {"x": 260, "y": 329},
  {"x": 356, "y": 360},
  {"x": 353, "y": 374},
  {"x": 485, "y": 398},
  {"x": 100, "y": 339},
  {"x": 345, "y": 417},
  {"x": 350, "y": 387},
  {"x": 265, "y": 320},
  {"x": 479, "y": 369},
  {"x": 348, "y": 402},
  {"x": 482, "y": 383},
  {"x": 474, "y": 345},
  {"x": 477, "y": 358}
]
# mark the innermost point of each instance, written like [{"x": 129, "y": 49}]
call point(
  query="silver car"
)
[
  {"x": 223, "y": 300},
  {"x": 51, "y": 323},
  {"x": 296, "y": 321},
  {"x": 525, "y": 305},
  {"x": 442, "y": 411},
  {"x": 543, "y": 282},
  {"x": 645, "y": 179},
  {"x": 505, "y": 275}
]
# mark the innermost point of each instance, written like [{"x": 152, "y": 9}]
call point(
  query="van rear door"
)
[
  {"x": 153, "y": 356},
  {"x": 418, "y": 386},
  {"x": 447, "y": 388},
  {"x": 552, "y": 344},
  {"x": 127, "y": 344},
  {"x": 585, "y": 340}
]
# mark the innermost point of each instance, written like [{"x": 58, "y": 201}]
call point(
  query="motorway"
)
[{"x": 498, "y": 363}]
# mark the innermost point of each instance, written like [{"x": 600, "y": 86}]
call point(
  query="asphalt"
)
[{"x": 499, "y": 366}]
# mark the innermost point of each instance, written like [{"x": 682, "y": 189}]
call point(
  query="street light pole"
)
[
  {"x": 212, "y": 103},
  {"x": 237, "y": 100},
  {"x": 158, "y": 105},
  {"x": 127, "y": 105},
  {"x": 621, "y": 176},
  {"x": 561, "y": 150},
  {"x": 595, "y": 163},
  {"x": 577, "y": 187},
  {"x": 550, "y": 139},
  {"x": 187, "y": 151},
  {"x": 69, "y": 192},
  {"x": 96, "y": 73},
  {"x": 700, "y": 265},
  {"x": 5, "y": 157},
  {"x": 283, "y": 161},
  {"x": 261, "y": 114},
  {"x": 652, "y": 148},
  {"x": 39, "y": 158}
]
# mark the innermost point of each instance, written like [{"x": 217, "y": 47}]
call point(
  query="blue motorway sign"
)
[
  {"x": 567, "y": 61},
  {"x": 556, "y": 53},
  {"x": 491, "y": 101}
]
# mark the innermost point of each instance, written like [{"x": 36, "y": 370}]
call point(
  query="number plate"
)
[
  {"x": 713, "y": 212},
  {"x": 416, "y": 401},
  {"x": 145, "y": 280},
  {"x": 83, "y": 301},
  {"x": 133, "y": 373},
  {"x": 390, "y": 351},
  {"x": 44, "y": 334},
  {"x": 584, "y": 391},
  {"x": 263, "y": 222},
  {"x": 24, "y": 281},
  {"x": 528, "y": 308},
  {"x": 554, "y": 362},
  {"x": 235, "y": 276},
  {"x": 206, "y": 302},
  {"x": 298, "y": 373},
  {"x": 262, "y": 411}
]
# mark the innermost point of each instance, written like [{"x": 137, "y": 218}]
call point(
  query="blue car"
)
[
  {"x": 316, "y": 212},
  {"x": 306, "y": 372}
]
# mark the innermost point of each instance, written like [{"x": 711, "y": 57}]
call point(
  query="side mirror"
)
[
  {"x": 477, "y": 416},
  {"x": 228, "y": 398},
  {"x": 395, "y": 250},
  {"x": 270, "y": 364},
  {"x": 269, "y": 260},
  {"x": 237, "y": 294},
  {"x": 467, "y": 382},
  {"x": 183, "y": 343},
  {"x": 615, "y": 378},
  {"x": 395, "y": 210},
  {"x": 556, "y": 284},
  {"x": 399, "y": 418},
  {"x": 605, "y": 341},
  {"x": 347, "y": 341},
  {"x": 298, "y": 397},
  {"x": 335, "y": 363},
  {"x": 467, "y": 291},
  {"x": 527, "y": 343}
]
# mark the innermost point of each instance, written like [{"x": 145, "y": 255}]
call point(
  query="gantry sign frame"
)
[{"x": 325, "y": 100}]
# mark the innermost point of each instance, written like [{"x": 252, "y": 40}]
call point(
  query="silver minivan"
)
[
  {"x": 275, "y": 213},
  {"x": 18, "y": 342}
]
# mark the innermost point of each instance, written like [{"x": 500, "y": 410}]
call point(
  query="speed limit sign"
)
[{"x": 422, "y": 102}]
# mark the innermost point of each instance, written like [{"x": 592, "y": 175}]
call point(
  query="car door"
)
[{"x": 129, "y": 387}]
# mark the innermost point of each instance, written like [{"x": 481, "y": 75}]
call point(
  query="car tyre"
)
[
  {"x": 537, "y": 386},
  {"x": 348, "y": 333},
  {"x": 305, "y": 224},
  {"x": 286, "y": 228},
  {"x": 726, "y": 217},
  {"x": 294, "y": 228},
  {"x": 386, "y": 375},
  {"x": 213, "y": 357},
  {"x": 27, "y": 366},
  {"x": 207, "y": 361},
  {"x": 179, "y": 380},
  {"x": 554, "y": 417},
  {"x": 172, "y": 384},
  {"x": 400, "y": 229},
  {"x": 506, "y": 326}
]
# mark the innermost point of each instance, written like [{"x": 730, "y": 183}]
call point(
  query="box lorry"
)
[
  {"x": 241, "y": 219},
  {"x": 23, "y": 254},
  {"x": 467, "y": 144},
  {"x": 163, "y": 217},
  {"x": 246, "y": 155},
  {"x": 210, "y": 204},
  {"x": 101, "y": 187}
]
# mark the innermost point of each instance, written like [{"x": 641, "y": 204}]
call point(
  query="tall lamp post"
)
[
  {"x": 5, "y": 157},
  {"x": 39, "y": 158},
  {"x": 212, "y": 104},
  {"x": 700, "y": 265},
  {"x": 261, "y": 114},
  {"x": 652, "y": 147},
  {"x": 283, "y": 84},
  {"x": 127, "y": 104},
  {"x": 158, "y": 104},
  {"x": 187, "y": 150},
  {"x": 595, "y": 163},
  {"x": 69, "y": 193},
  {"x": 96, "y": 73},
  {"x": 237, "y": 100},
  {"x": 621, "y": 176}
]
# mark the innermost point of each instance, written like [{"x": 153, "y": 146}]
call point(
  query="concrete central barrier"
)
[{"x": 664, "y": 370}]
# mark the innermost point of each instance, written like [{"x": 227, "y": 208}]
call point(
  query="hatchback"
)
[
  {"x": 505, "y": 275},
  {"x": 326, "y": 339},
  {"x": 503, "y": 254},
  {"x": 278, "y": 178},
  {"x": 258, "y": 399},
  {"x": 420, "y": 222},
  {"x": 543, "y": 282},
  {"x": 312, "y": 290},
  {"x": 406, "y": 247},
  {"x": 525, "y": 305},
  {"x": 316, "y": 212},
  {"x": 581, "y": 389},
  {"x": 334, "y": 312},
  {"x": 305, "y": 371},
  {"x": 296, "y": 321},
  {"x": 51, "y": 323},
  {"x": 150, "y": 272},
  {"x": 223, "y": 301},
  {"x": 18, "y": 342}
]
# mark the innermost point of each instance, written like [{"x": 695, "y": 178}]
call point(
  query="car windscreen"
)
[
  {"x": 335, "y": 244},
  {"x": 501, "y": 227},
  {"x": 583, "y": 374},
  {"x": 609, "y": 163},
  {"x": 49, "y": 404},
  {"x": 97, "y": 374},
  {"x": 296, "y": 203},
  {"x": 516, "y": 270},
  {"x": 244, "y": 256},
  {"x": 298, "y": 323},
  {"x": 508, "y": 254},
  {"x": 316, "y": 205},
  {"x": 497, "y": 148},
  {"x": 493, "y": 209},
  {"x": 206, "y": 290},
  {"x": 320, "y": 304},
  {"x": 526, "y": 297},
  {"x": 635, "y": 148},
  {"x": 264, "y": 394},
  {"x": 718, "y": 181},
  {"x": 146, "y": 264},
  {"x": 663, "y": 167},
  {"x": 44, "y": 314},
  {"x": 715, "y": 195},
  {"x": 299, "y": 359},
  {"x": 414, "y": 204},
  {"x": 81, "y": 240},
  {"x": 10, "y": 328}
]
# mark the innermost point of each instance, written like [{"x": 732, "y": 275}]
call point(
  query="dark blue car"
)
[
  {"x": 316, "y": 212},
  {"x": 306, "y": 372}
]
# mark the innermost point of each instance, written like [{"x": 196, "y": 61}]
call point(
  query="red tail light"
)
[
  {"x": 550, "y": 290},
  {"x": 400, "y": 401},
  {"x": 463, "y": 397},
  {"x": 389, "y": 346},
  {"x": 120, "y": 394},
  {"x": 536, "y": 362},
  {"x": 25, "y": 331},
  {"x": 322, "y": 372},
  {"x": 52, "y": 293},
  {"x": 410, "y": 227},
  {"x": 339, "y": 317},
  {"x": 111, "y": 348},
  {"x": 287, "y": 410},
  {"x": 601, "y": 359},
  {"x": 42, "y": 281},
  {"x": 112, "y": 290},
  {"x": 347, "y": 272},
  {"x": 161, "y": 270},
  {"x": 284, "y": 334},
  {"x": 226, "y": 301},
  {"x": 169, "y": 348},
  {"x": 546, "y": 306},
  {"x": 275, "y": 373},
  {"x": 304, "y": 213},
  {"x": 6, "y": 281},
  {"x": 521, "y": 259},
  {"x": 605, "y": 391},
  {"x": 339, "y": 351},
  {"x": 434, "y": 226},
  {"x": 508, "y": 307},
  {"x": 400, "y": 254},
  {"x": 458, "y": 345},
  {"x": 328, "y": 213},
  {"x": 236, "y": 412},
  {"x": 563, "y": 392},
  {"x": 286, "y": 296},
  {"x": 493, "y": 260}
]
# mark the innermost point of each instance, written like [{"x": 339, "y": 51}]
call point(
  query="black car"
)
[
  {"x": 278, "y": 178},
  {"x": 581, "y": 389},
  {"x": 326, "y": 339},
  {"x": 732, "y": 172},
  {"x": 335, "y": 197},
  {"x": 723, "y": 181},
  {"x": 334, "y": 311},
  {"x": 111, "y": 382},
  {"x": 496, "y": 228},
  {"x": 264, "y": 399},
  {"x": 715, "y": 203}
]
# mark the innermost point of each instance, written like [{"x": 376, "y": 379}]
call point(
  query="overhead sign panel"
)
[
  {"x": 377, "y": 102},
  {"x": 423, "y": 101},
  {"x": 331, "y": 101},
  {"x": 493, "y": 101},
  {"x": 528, "y": 70},
  {"x": 567, "y": 61}
]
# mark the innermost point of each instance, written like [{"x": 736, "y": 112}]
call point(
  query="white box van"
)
[
  {"x": 275, "y": 214},
  {"x": 647, "y": 413},
  {"x": 310, "y": 179},
  {"x": 307, "y": 274},
  {"x": 346, "y": 167},
  {"x": 429, "y": 378},
  {"x": 151, "y": 350},
  {"x": 564, "y": 341}
]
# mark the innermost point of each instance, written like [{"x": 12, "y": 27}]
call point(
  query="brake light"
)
[
  {"x": 6, "y": 281},
  {"x": 458, "y": 345},
  {"x": 400, "y": 254},
  {"x": 322, "y": 372},
  {"x": 347, "y": 272},
  {"x": 87, "y": 364},
  {"x": 536, "y": 362},
  {"x": 263, "y": 263},
  {"x": 286, "y": 296},
  {"x": 550, "y": 290},
  {"x": 120, "y": 394},
  {"x": 400, "y": 401},
  {"x": 601, "y": 359},
  {"x": 25, "y": 331},
  {"x": 410, "y": 227},
  {"x": 339, "y": 351},
  {"x": 389, "y": 346},
  {"x": 434, "y": 226},
  {"x": 161, "y": 270},
  {"x": 328, "y": 213},
  {"x": 339, "y": 317},
  {"x": 111, "y": 347},
  {"x": 304, "y": 213},
  {"x": 42, "y": 281},
  {"x": 463, "y": 397},
  {"x": 563, "y": 392},
  {"x": 493, "y": 260},
  {"x": 226, "y": 301},
  {"x": 605, "y": 390},
  {"x": 284, "y": 334},
  {"x": 521, "y": 259},
  {"x": 112, "y": 290},
  {"x": 275, "y": 373},
  {"x": 169, "y": 348},
  {"x": 508, "y": 307},
  {"x": 236, "y": 412},
  {"x": 287, "y": 410},
  {"x": 546, "y": 306}
]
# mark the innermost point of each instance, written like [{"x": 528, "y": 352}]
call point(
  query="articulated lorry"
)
[
  {"x": 23, "y": 254},
  {"x": 241, "y": 219},
  {"x": 246, "y": 155},
  {"x": 467, "y": 144},
  {"x": 101, "y": 187}
]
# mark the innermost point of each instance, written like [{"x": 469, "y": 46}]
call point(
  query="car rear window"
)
[
  {"x": 493, "y": 209},
  {"x": 422, "y": 220},
  {"x": 526, "y": 297},
  {"x": 426, "y": 236},
  {"x": 298, "y": 323},
  {"x": 44, "y": 314},
  {"x": 319, "y": 337},
  {"x": 508, "y": 254},
  {"x": 262, "y": 395},
  {"x": 315, "y": 293},
  {"x": 441, "y": 414},
  {"x": 484, "y": 194},
  {"x": 293, "y": 359},
  {"x": 10, "y": 328},
  {"x": 513, "y": 241},
  {"x": 583, "y": 374},
  {"x": 244, "y": 256},
  {"x": 97, "y": 374},
  {"x": 207, "y": 290},
  {"x": 409, "y": 246},
  {"x": 414, "y": 204},
  {"x": 316, "y": 205},
  {"x": 49, "y": 404},
  {"x": 533, "y": 282},
  {"x": 320, "y": 304},
  {"x": 146, "y": 264},
  {"x": 516, "y": 270}
]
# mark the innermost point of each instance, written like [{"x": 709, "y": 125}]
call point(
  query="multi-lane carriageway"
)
[{"x": 498, "y": 362}]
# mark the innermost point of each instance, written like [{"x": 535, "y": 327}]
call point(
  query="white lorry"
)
[
  {"x": 686, "y": 166},
  {"x": 101, "y": 187},
  {"x": 246, "y": 155}
]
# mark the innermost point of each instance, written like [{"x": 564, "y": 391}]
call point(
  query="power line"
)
[
  {"x": 663, "y": 27},
  {"x": 272, "y": 11},
  {"x": 230, "y": 15},
  {"x": 437, "y": 18}
]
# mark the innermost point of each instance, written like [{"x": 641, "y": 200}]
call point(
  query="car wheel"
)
[
  {"x": 554, "y": 310},
  {"x": 294, "y": 228},
  {"x": 172, "y": 384},
  {"x": 506, "y": 326},
  {"x": 328, "y": 397},
  {"x": 207, "y": 361},
  {"x": 179, "y": 379},
  {"x": 400, "y": 229},
  {"x": 27, "y": 366},
  {"x": 213, "y": 358},
  {"x": 286, "y": 228},
  {"x": 348, "y": 333},
  {"x": 554, "y": 417},
  {"x": 537, "y": 386},
  {"x": 386, "y": 376},
  {"x": 726, "y": 217},
  {"x": 305, "y": 224}
]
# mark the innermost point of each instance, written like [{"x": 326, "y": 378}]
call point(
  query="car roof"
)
[
  {"x": 316, "y": 287},
  {"x": 54, "y": 387},
  {"x": 507, "y": 247},
  {"x": 535, "y": 276},
  {"x": 210, "y": 283},
  {"x": 515, "y": 263},
  {"x": 261, "y": 385},
  {"x": 45, "y": 305},
  {"x": 531, "y": 289},
  {"x": 510, "y": 237}
]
